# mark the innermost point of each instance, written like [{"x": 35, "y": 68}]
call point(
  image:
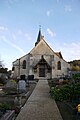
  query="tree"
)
[
  {"x": 1, "y": 64},
  {"x": 75, "y": 65}
]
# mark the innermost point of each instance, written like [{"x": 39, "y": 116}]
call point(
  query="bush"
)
[
  {"x": 60, "y": 94},
  {"x": 54, "y": 82},
  {"x": 66, "y": 92},
  {"x": 13, "y": 81},
  {"x": 76, "y": 76},
  {"x": 65, "y": 81},
  {"x": 56, "y": 94},
  {"x": 5, "y": 106},
  {"x": 51, "y": 83},
  {"x": 10, "y": 87}
]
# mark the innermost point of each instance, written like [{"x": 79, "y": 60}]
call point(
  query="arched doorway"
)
[{"x": 41, "y": 70}]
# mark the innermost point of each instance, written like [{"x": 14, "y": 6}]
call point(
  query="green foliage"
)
[
  {"x": 66, "y": 92},
  {"x": 5, "y": 106},
  {"x": 10, "y": 90},
  {"x": 56, "y": 94},
  {"x": 51, "y": 83},
  {"x": 54, "y": 82},
  {"x": 13, "y": 81},
  {"x": 10, "y": 87},
  {"x": 76, "y": 76}
]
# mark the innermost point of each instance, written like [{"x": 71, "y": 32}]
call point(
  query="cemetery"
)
[
  {"x": 67, "y": 96},
  {"x": 13, "y": 96},
  {"x": 65, "y": 91}
]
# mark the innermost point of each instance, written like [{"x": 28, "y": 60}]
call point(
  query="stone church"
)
[{"x": 41, "y": 61}]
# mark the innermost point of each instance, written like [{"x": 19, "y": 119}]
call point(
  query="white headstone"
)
[{"x": 22, "y": 86}]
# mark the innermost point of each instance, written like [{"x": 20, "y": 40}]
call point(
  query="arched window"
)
[
  {"x": 53, "y": 57},
  {"x": 24, "y": 64},
  {"x": 59, "y": 65}
]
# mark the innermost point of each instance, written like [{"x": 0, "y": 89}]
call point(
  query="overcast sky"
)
[{"x": 19, "y": 26}]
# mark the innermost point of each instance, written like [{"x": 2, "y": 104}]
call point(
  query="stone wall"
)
[
  {"x": 34, "y": 57},
  {"x": 19, "y": 68}
]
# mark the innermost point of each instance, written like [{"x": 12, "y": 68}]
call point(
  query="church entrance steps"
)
[{"x": 42, "y": 78}]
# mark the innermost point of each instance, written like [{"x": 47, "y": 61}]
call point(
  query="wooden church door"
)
[{"x": 42, "y": 71}]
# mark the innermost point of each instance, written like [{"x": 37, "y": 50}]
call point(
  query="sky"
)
[{"x": 19, "y": 27}]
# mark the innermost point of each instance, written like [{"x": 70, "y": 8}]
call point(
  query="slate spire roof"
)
[{"x": 39, "y": 36}]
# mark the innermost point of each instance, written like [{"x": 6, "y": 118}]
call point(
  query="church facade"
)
[{"x": 41, "y": 61}]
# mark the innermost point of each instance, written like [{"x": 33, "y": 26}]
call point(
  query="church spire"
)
[{"x": 39, "y": 36}]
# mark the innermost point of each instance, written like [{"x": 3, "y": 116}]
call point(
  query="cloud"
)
[
  {"x": 27, "y": 35},
  {"x": 49, "y": 12},
  {"x": 13, "y": 45},
  {"x": 11, "y": 1},
  {"x": 2, "y": 28},
  {"x": 71, "y": 51},
  {"x": 58, "y": 1},
  {"x": 68, "y": 8},
  {"x": 51, "y": 33},
  {"x": 20, "y": 32},
  {"x": 14, "y": 36}
]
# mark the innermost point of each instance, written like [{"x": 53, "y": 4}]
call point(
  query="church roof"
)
[
  {"x": 59, "y": 54},
  {"x": 41, "y": 62},
  {"x": 39, "y": 37}
]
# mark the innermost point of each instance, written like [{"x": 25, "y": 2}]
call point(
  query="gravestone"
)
[
  {"x": 21, "y": 86},
  {"x": 10, "y": 87}
]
